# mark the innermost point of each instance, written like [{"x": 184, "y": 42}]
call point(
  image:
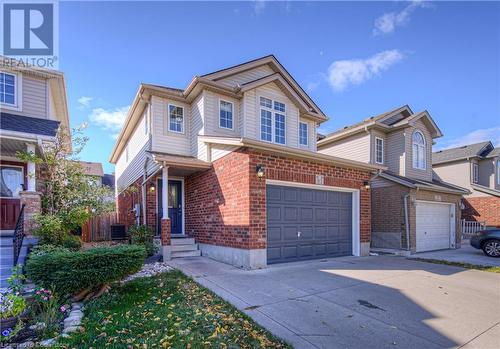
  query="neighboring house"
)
[
  {"x": 32, "y": 108},
  {"x": 410, "y": 209},
  {"x": 477, "y": 168},
  {"x": 93, "y": 170},
  {"x": 230, "y": 162}
]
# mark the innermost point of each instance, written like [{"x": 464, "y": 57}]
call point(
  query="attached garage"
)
[
  {"x": 310, "y": 222},
  {"x": 435, "y": 226}
]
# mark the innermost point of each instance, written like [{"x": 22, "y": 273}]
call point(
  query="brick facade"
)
[
  {"x": 166, "y": 232},
  {"x": 32, "y": 202},
  {"x": 226, "y": 205},
  {"x": 482, "y": 209}
]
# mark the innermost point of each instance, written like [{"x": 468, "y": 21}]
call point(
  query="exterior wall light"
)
[
  {"x": 260, "y": 171},
  {"x": 366, "y": 185},
  {"x": 152, "y": 188}
]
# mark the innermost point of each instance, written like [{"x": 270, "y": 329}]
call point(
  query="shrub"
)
[
  {"x": 143, "y": 235},
  {"x": 11, "y": 305},
  {"x": 43, "y": 249},
  {"x": 72, "y": 272},
  {"x": 72, "y": 242},
  {"x": 50, "y": 229}
]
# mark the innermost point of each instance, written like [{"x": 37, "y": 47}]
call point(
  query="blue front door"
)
[{"x": 174, "y": 205}]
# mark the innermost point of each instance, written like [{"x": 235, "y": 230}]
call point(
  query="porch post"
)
[
  {"x": 31, "y": 169},
  {"x": 165, "y": 221}
]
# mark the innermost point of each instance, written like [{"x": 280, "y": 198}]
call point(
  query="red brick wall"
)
[
  {"x": 226, "y": 205},
  {"x": 133, "y": 195},
  {"x": 485, "y": 208}
]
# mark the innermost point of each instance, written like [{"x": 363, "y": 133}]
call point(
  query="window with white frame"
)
[
  {"x": 272, "y": 121},
  {"x": 475, "y": 173},
  {"x": 226, "y": 114},
  {"x": 175, "y": 118},
  {"x": 303, "y": 133},
  {"x": 418, "y": 150},
  {"x": 379, "y": 150},
  {"x": 8, "y": 84}
]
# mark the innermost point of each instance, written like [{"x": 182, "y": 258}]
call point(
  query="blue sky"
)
[{"x": 355, "y": 59}]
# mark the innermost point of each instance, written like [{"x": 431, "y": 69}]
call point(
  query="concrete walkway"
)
[
  {"x": 362, "y": 302},
  {"x": 466, "y": 254}
]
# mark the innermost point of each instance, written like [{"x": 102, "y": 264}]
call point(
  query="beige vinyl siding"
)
[
  {"x": 247, "y": 76},
  {"x": 311, "y": 135},
  {"x": 220, "y": 150},
  {"x": 395, "y": 152},
  {"x": 198, "y": 148},
  {"x": 164, "y": 140},
  {"x": 457, "y": 173},
  {"x": 211, "y": 102},
  {"x": 127, "y": 172},
  {"x": 355, "y": 147},
  {"x": 413, "y": 172},
  {"x": 487, "y": 172},
  {"x": 374, "y": 134},
  {"x": 252, "y": 113},
  {"x": 35, "y": 97}
]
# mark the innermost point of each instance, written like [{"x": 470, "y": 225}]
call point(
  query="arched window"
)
[{"x": 418, "y": 150}]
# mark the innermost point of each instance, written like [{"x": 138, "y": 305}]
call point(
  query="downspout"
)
[
  {"x": 145, "y": 175},
  {"x": 407, "y": 221}
]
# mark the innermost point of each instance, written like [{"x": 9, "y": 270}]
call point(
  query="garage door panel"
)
[
  {"x": 328, "y": 230},
  {"x": 433, "y": 226}
]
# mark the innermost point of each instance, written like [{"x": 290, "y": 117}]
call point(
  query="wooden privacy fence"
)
[
  {"x": 470, "y": 228},
  {"x": 98, "y": 228}
]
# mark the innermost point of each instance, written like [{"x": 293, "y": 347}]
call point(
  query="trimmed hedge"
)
[{"x": 69, "y": 272}]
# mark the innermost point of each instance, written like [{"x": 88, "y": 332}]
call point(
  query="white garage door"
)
[{"x": 433, "y": 226}]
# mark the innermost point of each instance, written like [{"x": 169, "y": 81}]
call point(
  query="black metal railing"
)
[{"x": 18, "y": 235}]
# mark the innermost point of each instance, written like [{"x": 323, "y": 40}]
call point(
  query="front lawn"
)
[
  {"x": 169, "y": 310},
  {"x": 488, "y": 268}
]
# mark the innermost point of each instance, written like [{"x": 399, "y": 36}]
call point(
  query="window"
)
[
  {"x": 7, "y": 88},
  {"x": 226, "y": 114},
  {"x": 475, "y": 173},
  {"x": 11, "y": 180},
  {"x": 418, "y": 150},
  {"x": 175, "y": 118},
  {"x": 379, "y": 150},
  {"x": 272, "y": 121},
  {"x": 302, "y": 133}
]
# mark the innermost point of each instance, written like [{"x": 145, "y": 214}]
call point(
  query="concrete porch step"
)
[
  {"x": 5, "y": 233},
  {"x": 182, "y": 248},
  {"x": 196, "y": 253},
  {"x": 182, "y": 241}
]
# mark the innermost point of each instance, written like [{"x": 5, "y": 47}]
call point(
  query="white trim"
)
[
  {"x": 475, "y": 173},
  {"x": 383, "y": 146},
  {"x": 183, "y": 118},
  {"x": 452, "y": 212},
  {"x": 232, "y": 114},
  {"x": 23, "y": 177},
  {"x": 307, "y": 134},
  {"x": 273, "y": 119},
  {"x": 424, "y": 146},
  {"x": 18, "y": 90},
  {"x": 356, "y": 219},
  {"x": 183, "y": 206}
]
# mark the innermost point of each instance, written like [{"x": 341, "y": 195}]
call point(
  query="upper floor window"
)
[
  {"x": 226, "y": 114},
  {"x": 303, "y": 133},
  {"x": 379, "y": 150},
  {"x": 418, "y": 150},
  {"x": 175, "y": 118},
  {"x": 8, "y": 88},
  {"x": 272, "y": 121},
  {"x": 475, "y": 173}
]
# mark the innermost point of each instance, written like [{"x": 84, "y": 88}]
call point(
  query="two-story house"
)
[
  {"x": 32, "y": 108},
  {"x": 410, "y": 209},
  {"x": 228, "y": 167},
  {"x": 475, "y": 167}
]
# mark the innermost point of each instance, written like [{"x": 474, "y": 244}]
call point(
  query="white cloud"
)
[
  {"x": 109, "y": 119},
  {"x": 480, "y": 135},
  {"x": 311, "y": 86},
  {"x": 259, "y": 6},
  {"x": 388, "y": 22},
  {"x": 84, "y": 101},
  {"x": 343, "y": 73}
]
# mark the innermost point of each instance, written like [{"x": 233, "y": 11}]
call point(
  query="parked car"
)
[{"x": 488, "y": 241}]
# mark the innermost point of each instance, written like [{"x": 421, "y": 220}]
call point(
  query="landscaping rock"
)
[
  {"x": 76, "y": 306},
  {"x": 149, "y": 270},
  {"x": 71, "y": 323},
  {"x": 72, "y": 329},
  {"x": 38, "y": 326},
  {"x": 47, "y": 342}
]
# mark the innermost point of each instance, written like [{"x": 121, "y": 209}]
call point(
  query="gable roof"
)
[
  {"x": 396, "y": 118},
  {"x": 480, "y": 149},
  {"x": 434, "y": 185},
  {"x": 92, "y": 168}
]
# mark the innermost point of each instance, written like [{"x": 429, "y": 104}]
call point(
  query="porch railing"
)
[
  {"x": 470, "y": 228},
  {"x": 18, "y": 235}
]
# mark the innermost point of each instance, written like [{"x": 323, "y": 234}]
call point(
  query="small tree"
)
[{"x": 69, "y": 197}]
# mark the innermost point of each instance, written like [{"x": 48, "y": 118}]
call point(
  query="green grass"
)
[
  {"x": 169, "y": 310},
  {"x": 487, "y": 268}
]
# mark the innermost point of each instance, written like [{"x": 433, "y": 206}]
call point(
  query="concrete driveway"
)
[
  {"x": 362, "y": 302},
  {"x": 465, "y": 254}
]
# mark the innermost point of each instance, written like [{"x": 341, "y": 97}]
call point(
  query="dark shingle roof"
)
[
  {"x": 435, "y": 184},
  {"x": 19, "y": 123},
  {"x": 464, "y": 152}
]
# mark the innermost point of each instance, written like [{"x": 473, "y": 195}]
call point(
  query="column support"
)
[
  {"x": 30, "y": 148},
  {"x": 164, "y": 192}
]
